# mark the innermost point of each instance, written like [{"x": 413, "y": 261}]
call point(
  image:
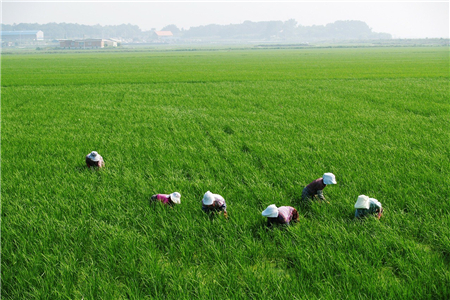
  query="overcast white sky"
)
[{"x": 402, "y": 19}]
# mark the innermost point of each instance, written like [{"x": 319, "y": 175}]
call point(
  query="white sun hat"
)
[
  {"x": 94, "y": 156},
  {"x": 375, "y": 201},
  {"x": 208, "y": 198},
  {"x": 271, "y": 211},
  {"x": 329, "y": 178},
  {"x": 175, "y": 197},
  {"x": 363, "y": 202}
]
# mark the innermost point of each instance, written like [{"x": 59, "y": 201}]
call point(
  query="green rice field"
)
[{"x": 254, "y": 126}]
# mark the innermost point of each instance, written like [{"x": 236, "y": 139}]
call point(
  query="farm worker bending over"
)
[
  {"x": 214, "y": 202},
  {"x": 94, "y": 159},
  {"x": 171, "y": 199},
  {"x": 315, "y": 188},
  {"x": 280, "y": 215},
  {"x": 367, "y": 206}
]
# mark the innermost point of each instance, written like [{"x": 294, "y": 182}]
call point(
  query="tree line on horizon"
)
[{"x": 248, "y": 30}]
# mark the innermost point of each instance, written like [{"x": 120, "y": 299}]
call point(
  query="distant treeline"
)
[
  {"x": 287, "y": 30},
  {"x": 76, "y": 31},
  {"x": 266, "y": 30}
]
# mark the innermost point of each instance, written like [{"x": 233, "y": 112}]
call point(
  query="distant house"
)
[
  {"x": 87, "y": 43},
  {"x": 164, "y": 34},
  {"x": 163, "y": 37},
  {"x": 24, "y": 36},
  {"x": 110, "y": 43}
]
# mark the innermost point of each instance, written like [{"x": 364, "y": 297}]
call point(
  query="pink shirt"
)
[
  {"x": 285, "y": 212},
  {"x": 164, "y": 198}
]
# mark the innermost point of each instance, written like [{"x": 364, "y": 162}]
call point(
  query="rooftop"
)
[
  {"x": 164, "y": 33},
  {"x": 19, "y": 32}
]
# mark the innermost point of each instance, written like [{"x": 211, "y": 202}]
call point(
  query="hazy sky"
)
[{"x": 402, "y": 19}]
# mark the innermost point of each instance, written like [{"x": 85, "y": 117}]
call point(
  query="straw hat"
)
[
  {"x": 271, "y": 211},
  {"x": 329, "y": 178},
  {"x": 208, "y": 198},
  {"x": 175, "y": 197},
  {"x": 94, "y": 156},
  {"x": 363, "y": 202}
]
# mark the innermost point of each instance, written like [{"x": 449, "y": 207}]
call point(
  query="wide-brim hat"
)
[
  {"x": 271, "y": 211},
  {"x": 94, "y": 156},
  {"x": 208, "y": 198},
  {"x": 329, "y": 178},
  {"x": 375, "y": 201},
  {"x": 175, "y": 197},
  {"x": 363, "y": 202}
]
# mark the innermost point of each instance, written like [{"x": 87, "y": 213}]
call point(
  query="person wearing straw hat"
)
[
  {"x": 280, "y": 215},
  {"x": 367, "y": 206},
  {"x": 315, "y": 188},
  {"x": 94, "y": 159},
  {"x": 169, "y": 199},
  {"x": 214, "y": 202}
]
